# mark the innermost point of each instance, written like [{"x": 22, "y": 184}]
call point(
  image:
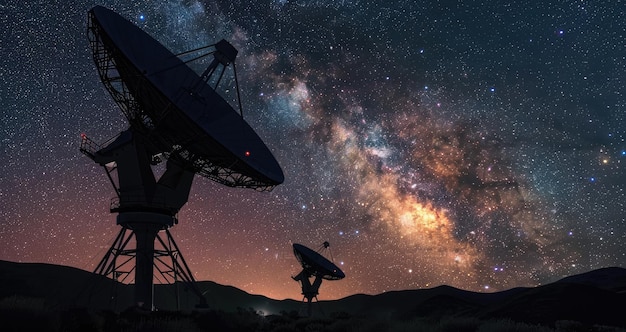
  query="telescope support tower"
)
[
  {"x": 146, "y": 207},
  {"x": 309, "y": 290}
]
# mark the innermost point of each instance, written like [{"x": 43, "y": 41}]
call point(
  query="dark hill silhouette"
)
[
  {"x": 562, "y": 301},
  {"x": 592, "y": 298},
  {"x": 609, "y": 278}
]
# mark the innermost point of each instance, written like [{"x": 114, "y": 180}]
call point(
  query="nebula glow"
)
[{"x": 430, "y": 143}]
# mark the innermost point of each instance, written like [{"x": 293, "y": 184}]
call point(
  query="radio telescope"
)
[
  {"x": 314, "y": 265},
  {"x": 176, "y": 116}
]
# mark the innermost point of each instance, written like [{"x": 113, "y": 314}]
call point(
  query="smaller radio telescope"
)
[
  {"x": 314, "y": 265},
  {"x": 177, "y": 116}
]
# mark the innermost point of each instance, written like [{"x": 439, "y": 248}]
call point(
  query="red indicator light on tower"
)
[{"x": 247, "y": 153}]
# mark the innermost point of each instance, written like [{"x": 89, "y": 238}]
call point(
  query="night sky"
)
[{"x": 477, "y": 144}]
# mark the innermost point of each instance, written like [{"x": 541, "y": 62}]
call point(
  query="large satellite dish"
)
[
  {"x": 174, "y": 115},
  {"x": 316, "y": 266},
  {"x": 186, "y": 119}
]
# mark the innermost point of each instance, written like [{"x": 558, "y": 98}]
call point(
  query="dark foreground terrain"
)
[{"x": 43, "y": 297}]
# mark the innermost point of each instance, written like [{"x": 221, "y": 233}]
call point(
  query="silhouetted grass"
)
[{"x": 32, "y": 314}]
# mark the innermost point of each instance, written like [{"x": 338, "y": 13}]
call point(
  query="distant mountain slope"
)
[
  {"x": 608, "y": 278},
  {"x": 60, "y": 285},
  {"x": 562, "y": 301},
  {"x": 595, "y": 297}
]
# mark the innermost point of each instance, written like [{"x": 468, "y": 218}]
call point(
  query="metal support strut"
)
[{"x": 167, "y": 262}]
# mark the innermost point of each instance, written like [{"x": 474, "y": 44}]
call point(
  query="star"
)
[{"x": 440, "y": 143}]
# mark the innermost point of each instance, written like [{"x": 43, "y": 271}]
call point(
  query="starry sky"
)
[{"x": 477, "y": 144}]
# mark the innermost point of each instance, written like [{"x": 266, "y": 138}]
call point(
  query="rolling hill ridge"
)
[{"x": 595, "y": 297}]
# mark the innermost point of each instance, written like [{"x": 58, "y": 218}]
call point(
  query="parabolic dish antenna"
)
[
  {"x": 174, "y": 114},
  {"x": 185, "y": 118},
  {"x": 317, "y": 266}
]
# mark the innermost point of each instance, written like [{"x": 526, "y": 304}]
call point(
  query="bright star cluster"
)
[{"x": 475, "y": 144}]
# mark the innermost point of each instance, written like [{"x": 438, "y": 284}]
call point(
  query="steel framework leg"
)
[{"x": 168, "y": 262}]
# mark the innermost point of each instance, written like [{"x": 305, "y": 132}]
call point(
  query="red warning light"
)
[
  {"x": 83, "y": 136},
  {"x": 247, "y": 153}
]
